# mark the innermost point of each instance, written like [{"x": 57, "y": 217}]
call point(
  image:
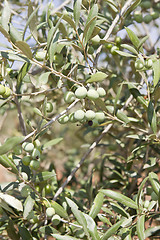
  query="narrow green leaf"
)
[
  {"x": 78, "y": 215},
  {"x": 153, "y": 178},
  {"x": 77, "y": 11},
  {"x": 44, "y": 176},
  {"x": 4, "y": 32},
  {"x": 8, "y": 163},
  {"x": 32, "y": 20},
  {"x": 129, "y": 48},
  {"x": 66, "y": 237},
  {"x": 48, "y": 230},
  {"x": 100, "y": 104},
  {"x": 25, "y": 48},
  {"x": 132, "y": 7},
  {"x": 156, "y": 70},
  {"x": 43, "y": 79},
  {"x": 59, "y": 210},
  {"x": 24, "y": 233},
  {"x": 112, "y": 230},
  {"x": 37, "y": 111},
  {"x": 118, "y": 209},
  {"x": 68, "y": 19},
  {"x": 15, "y": 35},
  {"x": 22, "y": 73},
  {"x": 134, "y": 39},
  {"x": 91, "y": 225},
  {"x": 90, "y": 23},
  {"x": 52, "y": 142},
  {"x": 4, "y": 205},
  {"x": 120, "y": 198},
  {"x": 150, "y": 232},
  {"x": 6, "y": 14},
  {"x": 9, "y": 144},
  {"x": 140, "y": 190},
  {"x": 104, "y": 219},
  {"x": 97, "y": 77},
  {"x": 124, "y": 54},
  {"x": 97, "y": 204},
  {"x": 13, "y": 57},
  {"x": 112, "y": 5},
  {"x": 152, "y": 117},
  {"x": 12, "y": 201},
  {"x": 136, "y": 94},
  {"x": 140, "y": 227},
  {"x": 117, "y": 96},
  {"x": 28, "y": 206},
  {"x": 122, "y": 116},
  {"x": 142, "y": 41}
]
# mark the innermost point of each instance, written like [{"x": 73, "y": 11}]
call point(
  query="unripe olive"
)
[
  {"x": 36, "y": 153},
  {"x": 48, "y": 189},
  {"x": 138, "y": 16},
  {"x": 154, "y": 196},
  {"x": 81, "y": 92},
  {"x": 155, "y": 15},
  {"x": 146, "y": 4},
  {"x": 26, "y": 160},
  {"x": 49, "y": 107},
  {"x": 79, "y": 115},
  {"x": 113, "y": 50},
  {"x": 139, "y": 65},
  {"x": 101, "y": 91},
  {"x": 58, "y": 58},
  {"x": 95, "y": 40},
  {"x": 118, "y": 40},
  {"x": 69, "y": 97},
  {"x": 147, "y": 18},
  {"x": 50, "y": 212},
  {"x": 7, "y": 92},
  {"x": 24, "y": 176},
  {"x": 34, "y": 164},
  {"x": 72, "y": 118},
  {"x": 148, "y": 63},
  {"x": 100, "y": 116},
  {"x": 40, "y": 55},
  {"x": 37, "y": 143},
  {"x": 64, "y": 119},
  {"x": 109, "y": 45},
  {"x": 146, "y": 204},
  {"x": 90, "y": 115},
  {"x": 2, "y": 89},
  {"x": 92, "y": 94},
  {"x": 25, "y": 191},
  {"x": 28, "y": 147},
  {"x": 56, "y": 219}
]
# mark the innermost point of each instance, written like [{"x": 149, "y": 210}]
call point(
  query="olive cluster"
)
[
  {"x": 33, "y": 151},
  {"x": 141, "y": 64},
  {"x": 5, "y": 92},
  {"x": 84, "y": 115},
  {"x": 150, "y": 10}
]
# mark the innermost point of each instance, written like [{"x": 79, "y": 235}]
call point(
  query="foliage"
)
[{"x": 83, "y": 83}]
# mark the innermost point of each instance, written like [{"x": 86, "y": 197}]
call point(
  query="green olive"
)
[
  {"x": 26, "y": 160},
  {"x": 49, "y": 107},
  {"x": 92, "y": 94},
  {"x": 7, "y": 92},
  {"x": 147, "y": 18},
  {"x": 90, "y": 115},
  {"x": 139, "y": 65},
  {"x": 101, "y": 91},
  {"x": 50, "y": 212},
  {"x": 69, "y": 97},
  {"x": 91, "y": 50},
  {"x": 79, "y": 115},
  {"x": 100, "y": 116},
  {"x": 81, "y": 92},
  {"x": 55, "y": 219},
  {"x": 64, "y": 119},
  {"x": 28, "y": 147},
  {"x": 34, "y": 164},
  {"x": 138, "y": 16},
  {"x": 2, "y": 89}
]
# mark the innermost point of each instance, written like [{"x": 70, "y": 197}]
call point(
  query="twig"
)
[
  {"x": 93, "y": 145},
  {"x": 115, "y": 21}
]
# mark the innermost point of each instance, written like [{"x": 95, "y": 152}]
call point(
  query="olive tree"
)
[{"x": 81, "y": 81}]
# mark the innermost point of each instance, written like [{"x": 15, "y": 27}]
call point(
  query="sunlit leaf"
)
[
  {"x": 6, "y": 14},
  {"x": 140, "y": 227},
  {"x": 12, "y": 201},
  {"x": 9, "y": 144},
  {"x": 25, "y": 48},
  {"x": 52, "y": 142},
  {"x": 152, "y": 117},
  {"x": 112, "y": 230},
  {"x": 97, "y": 77},
  {"x": 97, "y": 204},
  {"x": 156, "y": 70},
  {"x": 28, "y": 206},
  {"x": 77, "y": 11}
]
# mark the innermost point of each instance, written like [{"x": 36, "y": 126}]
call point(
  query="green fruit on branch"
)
[
  {"x": 81, "y": 92},
  {"x": 90, "y": 50},
  {"x": 7, "y": 92},
  {"x": 72, "y": 118},
  {"x": 148, "y": 63},
  {"x": 49, "y": 107},
  {"x": 155, "y": 15},
  {"x": 147, "y": 19},
  {"x": 50, "y": 212},
  {"x": 79, "y": 115},
  {"x": 26, "y": 160},
  {"x": 40, "y": 56},
  {"x": 101, "y": 91},
  {"x": 2, "y": 89},
  {"x": 28, "y": 147},
  {"x": 90, "y": 115},
  {"x": 58, "y": 58},
  {"x": 55, "y": 219},
  {"x": 139, "y": 65},
  {"x": 100, "y": 116},
  {"x": 69, "y": 97},
  {"x": 25, "y": 191},
  {"x": 48, "y": 189},
  {"x": 36, "y": 153},
  {"x": 37, "y": 143},
  {"x": 34, "y": 164},
  {"x": 113, "y": 50},
  {"x": 146, "y": 4},
  {"x": 92, "y": 94},
  {"x": 64, "y": 119},
  {"x": 138, "y": 16},
  {"x": 118, "y": 40}
]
